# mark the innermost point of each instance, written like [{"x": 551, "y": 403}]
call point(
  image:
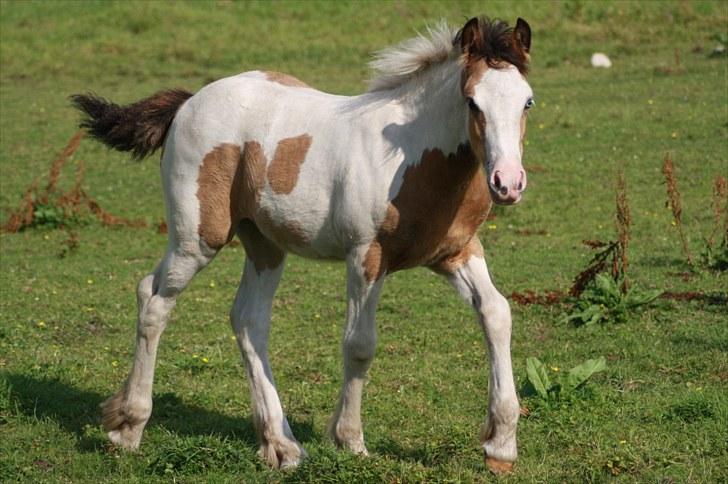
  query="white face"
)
[{"x": 503, "y": 97}]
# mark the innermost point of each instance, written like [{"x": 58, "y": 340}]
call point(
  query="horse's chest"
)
[{"x": 439, "y": 207}]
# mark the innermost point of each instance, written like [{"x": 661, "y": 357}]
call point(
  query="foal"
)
[{"x": 398, "y": 177}]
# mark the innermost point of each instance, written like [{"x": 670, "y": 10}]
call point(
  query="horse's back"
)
[{"x": 265, "y": 147}]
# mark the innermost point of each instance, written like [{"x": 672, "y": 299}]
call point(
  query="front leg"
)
[
  {"x": 360, "y": 338},
  {"x": 468, "y": 273}
]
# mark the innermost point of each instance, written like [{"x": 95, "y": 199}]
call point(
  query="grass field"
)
[{"x": 659, "y": 413}]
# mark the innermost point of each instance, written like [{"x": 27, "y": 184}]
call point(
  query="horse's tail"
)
[{"x": 139, "y": 128}]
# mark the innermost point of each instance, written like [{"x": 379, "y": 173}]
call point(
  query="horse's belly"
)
[{"x": 303, "y": 227}]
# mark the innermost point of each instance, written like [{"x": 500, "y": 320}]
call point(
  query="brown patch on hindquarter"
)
[
  {"x": 442, "y": 202},
  {"x": 229, "y": 187},
  {"x": 229, "y": 184},
  {"x": 284, "y": 79},
  {"x": 286, "y": 165},
  {"x": 264, "y": 253}
]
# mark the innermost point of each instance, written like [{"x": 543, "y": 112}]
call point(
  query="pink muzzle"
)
[{"x": 507, "y": 185}]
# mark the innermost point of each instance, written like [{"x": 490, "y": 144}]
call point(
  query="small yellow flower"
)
[
  {"x": 622, "y": 442},
  {"x": 674, "y": 135},
  {"x": 46, "y": 237},
  {"x": 114, "y": 363},
  {"x": 205, "y": 359},
  {"x": 89, "y": 281},
  {"x": 541, "y": 126},
  {"x": 554, "y": 368},
  {"x": 233, "y": 337},
  {"x": 674, "y": 223},
  {"x": 650, "y": 102},
  {"x": 41, "y": 324},
  {"x": 195, "y": 355},
  {"x": 212, "y": 283},
  {"x": 492, "y": 226}
]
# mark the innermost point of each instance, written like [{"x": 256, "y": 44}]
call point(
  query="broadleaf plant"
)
[
  {"x": 565, "y": 385},
  {"x": 604, "y": 301}
]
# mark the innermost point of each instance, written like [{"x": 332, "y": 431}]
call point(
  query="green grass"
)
[{"x": 658, "y": 413}]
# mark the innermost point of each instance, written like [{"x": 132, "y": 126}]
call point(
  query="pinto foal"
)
[{"x": 398, "y": 177}]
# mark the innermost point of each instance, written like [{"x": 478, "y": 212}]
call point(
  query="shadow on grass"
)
[
  {"x": 73, "y": 409},
  {"x": 431, "y": 454}
]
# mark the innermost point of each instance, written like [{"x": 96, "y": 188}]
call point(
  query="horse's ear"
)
[
  {"x": 522, "y": 34},
  {"x": 470, "y": 37}
]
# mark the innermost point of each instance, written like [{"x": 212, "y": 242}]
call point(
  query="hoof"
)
[
  {"x": 282, "y": 454},
  {"x": 123, "y": 430},
  {"x": 498, "y": 466}
]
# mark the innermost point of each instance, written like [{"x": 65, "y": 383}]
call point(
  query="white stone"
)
[{"x": 600, "y": 60}]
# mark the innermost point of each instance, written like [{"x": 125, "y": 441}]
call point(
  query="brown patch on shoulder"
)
[
  {"x": 442, "y": 202},
  {"x": 449, "y": 265},
  {"x": 286, "y": 165},
  {"x": 284, "y": 79},
  {"x": 229, "y": 184}
]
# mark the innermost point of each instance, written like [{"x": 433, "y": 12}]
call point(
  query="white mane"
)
[{"x": 396, "y": 65}]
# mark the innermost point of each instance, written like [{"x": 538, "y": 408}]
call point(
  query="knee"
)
[
  {"x": 360, "y": 347},
  {"x": 153, "y": 316},
  {"x": 145, "y": 289},
  {"x": 497, "y": 313}
]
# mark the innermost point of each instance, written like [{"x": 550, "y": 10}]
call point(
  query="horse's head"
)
[{"x": 498, "y": 97}]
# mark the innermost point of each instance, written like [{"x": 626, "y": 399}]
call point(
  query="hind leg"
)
[
  {"x": 126, "y": 413},
  {"x": 250, "y": 318}
]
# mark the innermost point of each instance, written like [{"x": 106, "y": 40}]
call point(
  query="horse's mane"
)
[{"x": 396, "y": 65}]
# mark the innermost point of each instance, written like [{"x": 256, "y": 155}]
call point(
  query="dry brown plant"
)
[
  {"x": 675, "y": 204},
  {"x": 73, "y": 202},
  {"x": 620, "y": 261}
]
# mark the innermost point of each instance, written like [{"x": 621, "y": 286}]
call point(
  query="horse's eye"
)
[
  {"x": 473, "y": 107},
  {"x": 530, "y": 103}
]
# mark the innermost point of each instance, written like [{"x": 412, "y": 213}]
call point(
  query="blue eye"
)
[{"x": 530, "y": 103}]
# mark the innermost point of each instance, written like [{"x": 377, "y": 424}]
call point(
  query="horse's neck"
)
[{"x": 434, "y": 109}]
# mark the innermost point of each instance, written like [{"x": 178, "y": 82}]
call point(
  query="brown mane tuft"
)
[{"x": 499, "y": 45}]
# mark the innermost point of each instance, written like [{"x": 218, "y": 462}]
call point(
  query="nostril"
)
[
  {"x": 522, "y": 181},
  {"x": 497, "y": 181}
]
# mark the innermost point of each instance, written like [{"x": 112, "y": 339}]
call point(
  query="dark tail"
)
[{"x": 139, "y": 128}]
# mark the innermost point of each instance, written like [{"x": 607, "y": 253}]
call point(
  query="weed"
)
[
  {"x": 716, "y": 257},
  {"x": 53, "y": 208},
  {"x": 674, "y": 202},
  {"x": 713, "y": 256},
  {"x": 616, "y": 250},
  {"x": 620, "y": 261},
  {"x": 564, "y": 387},
  {"x": 605, "y": 300}
]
